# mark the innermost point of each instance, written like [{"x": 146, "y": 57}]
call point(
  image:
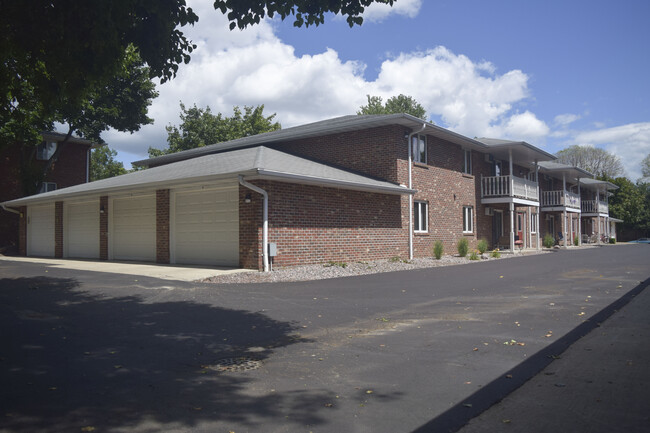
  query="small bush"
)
[
  {"x": 482, "y": 246},
  {"x": 474, "y": 255},
  {"x": 438, "y": 249},
  {"x": 548, "y": 241},
  {"x": 463, "y": 247},
  {"x": 575, "y": 240},
  {"x": 612, "y": 240},
  {"x": 496, "y": 254},
  {"x": 332, "y": 263}
]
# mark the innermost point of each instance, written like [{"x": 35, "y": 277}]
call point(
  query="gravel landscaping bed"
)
[{"x": 336, "y": 270}]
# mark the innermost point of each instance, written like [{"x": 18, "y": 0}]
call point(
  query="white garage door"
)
[
  {"x": 40, "y": 231},
  {"x": 206, "y": 227},
  {"x": 81, "y": 230},
  {"x": 133, "y": 228}
]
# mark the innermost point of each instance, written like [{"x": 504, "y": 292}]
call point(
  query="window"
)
[
  {"x": 467, "y": 161},
  {"x": 468, "y": 219},
  {"x": 45, "y": 150},
  {"x": 533, "y": 223},
  {"x": 419, "y": 148},
  {"x": 47, "y": 187},
  {"x": 420, "y": 217}
]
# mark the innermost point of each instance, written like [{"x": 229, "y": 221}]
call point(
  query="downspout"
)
[
  {"x": 408, "y": 145},
  {"x": 10, "y": 210},
  {"x": 265, "y": 224}
]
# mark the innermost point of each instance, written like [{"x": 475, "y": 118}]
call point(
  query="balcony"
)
[
  {"x": 509, "y": 187},
  {"x": 560, "y": 199},
  {"x": 595, "y": 206}
]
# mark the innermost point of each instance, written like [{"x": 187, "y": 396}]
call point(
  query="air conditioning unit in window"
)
[{"x": 489, "y": 211}]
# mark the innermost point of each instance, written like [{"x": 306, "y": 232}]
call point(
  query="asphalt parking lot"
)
[{"x": 422, "y": 350}]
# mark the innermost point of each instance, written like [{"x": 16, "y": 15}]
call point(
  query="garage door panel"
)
[
  {"x": 134, "y": 228},
  {"x": 206, "y": 227},
  {"x": 82, "y": 230},
  {"x": 40, "y": 231}
]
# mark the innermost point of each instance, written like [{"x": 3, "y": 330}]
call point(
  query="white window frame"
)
[
  {"x": 45, "y": 150},
  {"x": 419, "y": 148},
  {"x": 467, "y": 161},
  {"x": 420, "y": 225},
  {"x": 468, "y": 219},
  {"x": 47, "y": 187},
  {"x": 533, "y": 223}
]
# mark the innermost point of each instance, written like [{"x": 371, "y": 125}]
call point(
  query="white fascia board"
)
[{"x": 334, "y": 183}]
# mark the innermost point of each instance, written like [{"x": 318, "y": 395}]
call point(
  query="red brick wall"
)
[
  {"x": 69, "y": 170},
  {"x": 103, "y": 228},
  {"x": 22, "y": 231},
  {"x": 58, "y": 229},
  {"x": 162, "y": 226},
  {"x": 372, "y": 152},
  {"x": 447, "y": 190},
  {"x": 313, "y": 224}
]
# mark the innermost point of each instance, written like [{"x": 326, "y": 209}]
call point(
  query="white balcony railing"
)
[
  {"x": 560, "y": 198},
  {"x": 595, "y": 206},
  {"x": 509, "y": 186}
]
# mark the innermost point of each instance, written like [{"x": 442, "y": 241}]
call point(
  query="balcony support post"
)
[
  {"x": 579, "y": 215},
  {"x": 512, "y": 226},
  {"x": 566, "y": 223}
]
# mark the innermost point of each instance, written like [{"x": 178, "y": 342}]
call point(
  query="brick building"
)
[
  {"x": 71, "y": 168},
  {"x": 346, "y": 189}
]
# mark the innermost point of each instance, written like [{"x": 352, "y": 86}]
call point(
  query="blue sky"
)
[{"x": 553, "y": 73}]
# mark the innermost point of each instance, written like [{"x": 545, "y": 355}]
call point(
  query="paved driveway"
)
[{"x": 398, "y": 352}]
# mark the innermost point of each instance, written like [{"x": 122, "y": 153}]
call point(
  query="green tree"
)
[
  {"x": 645, "y": 167},
  {"x": 54, "y": 52},
  {"x": 627, "y": 202},
  {"x": 593, "y": 159},
  {"x": 103, "y": 164},
  {"x": 121, "y": 102},
  {"x": 199, "y": 127},
  {"x": 394, "y": 105}
]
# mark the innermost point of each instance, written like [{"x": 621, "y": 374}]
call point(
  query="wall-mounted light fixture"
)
[
  {"x": 101, "y": 209},
  {"x": 248, "y": 198}
]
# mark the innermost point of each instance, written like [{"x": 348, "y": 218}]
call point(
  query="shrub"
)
[
  {"x": 473, "y": 255},
  {"x": 548, "y": 241},
  {"x": 332, "y": 263},
  {"x": 463, "y": 247},
  {"x": 438, "y": 249},
  {"x": 612, "y": 240},
  {"x": 575, "y": 240},
  {"x": 482, "y": 246},
  {"x": 496, "y": 254}
]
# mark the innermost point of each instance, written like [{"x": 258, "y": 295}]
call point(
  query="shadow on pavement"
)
[
  {"x": 456, "y": 417},
  {"x": 70, "y": 360}
]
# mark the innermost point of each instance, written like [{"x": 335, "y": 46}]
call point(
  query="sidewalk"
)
[{"x": 600, "y": 384}]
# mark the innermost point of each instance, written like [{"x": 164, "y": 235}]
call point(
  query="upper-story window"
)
[
  {"x": 419, "y": 148},
  {"x": 47, "y": 187},
  {"x": 467, "y": 161},
  {"x": 45, "y": 150}
]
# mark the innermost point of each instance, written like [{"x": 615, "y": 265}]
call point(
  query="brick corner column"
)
[
  {"x": 58, "y": 229},
  {"x": 162, "y": 226},
  {"x": 103, "y": 228},
  {"x": 22, "y": 232}
]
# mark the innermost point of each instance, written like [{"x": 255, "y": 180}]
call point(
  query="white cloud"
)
[
  {"x": 377, "y": 12},
  {"x": 629, "y": 142},
  {"x": 253, "y": 67},
  {"x": 564, "y": 120}
]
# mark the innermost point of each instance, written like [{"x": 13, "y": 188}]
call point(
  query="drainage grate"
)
[{"x": 239, "y": 364}]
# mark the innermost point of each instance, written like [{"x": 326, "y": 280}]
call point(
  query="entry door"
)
[
  {"x": 497, "y": 227},
  {"x": 521, "y": 217}
]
